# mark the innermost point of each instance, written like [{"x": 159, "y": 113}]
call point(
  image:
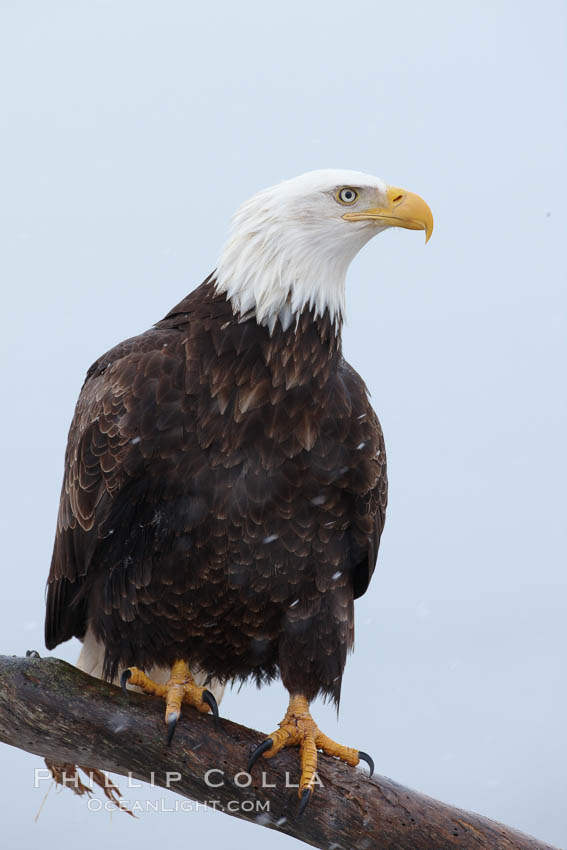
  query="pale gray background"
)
[{"x": 129, "y": 132}]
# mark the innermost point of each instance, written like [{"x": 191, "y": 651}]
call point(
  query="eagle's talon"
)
[
  {"x": 260, "y": 749},
  {"x": 298, "y": 729},
  {"x": 180, "y": 689},
  {"x": 209, "y": 699},
  {"x": 369, "y": 761},
  {"x": 305, "y": 797},
  {"x": 171, "y": 726},
  {"x": 127, "y": 674}
]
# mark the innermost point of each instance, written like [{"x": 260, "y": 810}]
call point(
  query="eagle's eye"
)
[{"x": 347, "y": 195}]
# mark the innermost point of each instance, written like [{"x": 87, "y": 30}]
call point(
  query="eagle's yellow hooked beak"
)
[{"x": 404, "y": 209}]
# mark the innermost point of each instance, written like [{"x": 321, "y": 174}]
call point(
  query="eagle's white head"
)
[{"x": 290, "y": 245}]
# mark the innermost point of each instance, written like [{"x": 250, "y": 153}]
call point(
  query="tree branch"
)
[{"x": 50, "y": 708}]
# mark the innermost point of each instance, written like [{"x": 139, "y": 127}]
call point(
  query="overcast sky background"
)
[{"x": 129, "y": 133}]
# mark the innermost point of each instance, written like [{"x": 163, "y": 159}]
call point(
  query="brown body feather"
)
[{"x": 223, "y": 499}]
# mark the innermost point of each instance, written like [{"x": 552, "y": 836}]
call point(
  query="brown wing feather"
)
[
  {"x": 109, "y": 442},
  {"x": 368, "y": 482}
]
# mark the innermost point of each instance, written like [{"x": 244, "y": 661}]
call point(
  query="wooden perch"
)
[{"x": 50, "y": 708}]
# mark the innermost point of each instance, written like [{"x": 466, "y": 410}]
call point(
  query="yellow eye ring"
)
[{"x": 346, "y": 195}]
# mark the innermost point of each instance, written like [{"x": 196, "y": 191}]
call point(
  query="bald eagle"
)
[{"x": 225, "y": 484}]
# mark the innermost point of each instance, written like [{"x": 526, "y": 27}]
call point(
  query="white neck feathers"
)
[{"x": 285, "y": 253}]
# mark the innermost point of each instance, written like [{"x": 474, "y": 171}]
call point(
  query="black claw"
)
[
  {"x": 209, "y": 698},
  {"x": 171, "y": 724},
  {"x": 127, "y": 674},
  {"x": 261, "y": 748},
  {"x": 365, "y": 757},
  {"x": 305, "y": 797}
]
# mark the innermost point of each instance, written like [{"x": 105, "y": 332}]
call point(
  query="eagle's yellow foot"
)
[
  {"x": 298, "y": 729},
  {"x": 180, "y": 688}
]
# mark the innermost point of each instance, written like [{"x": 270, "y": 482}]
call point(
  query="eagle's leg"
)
[
  {"x": 298, "y": 729},
  {"x": 180, "y": 688}
]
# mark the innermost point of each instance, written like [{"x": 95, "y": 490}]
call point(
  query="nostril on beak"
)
[{"x": 395, "y": 195}]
